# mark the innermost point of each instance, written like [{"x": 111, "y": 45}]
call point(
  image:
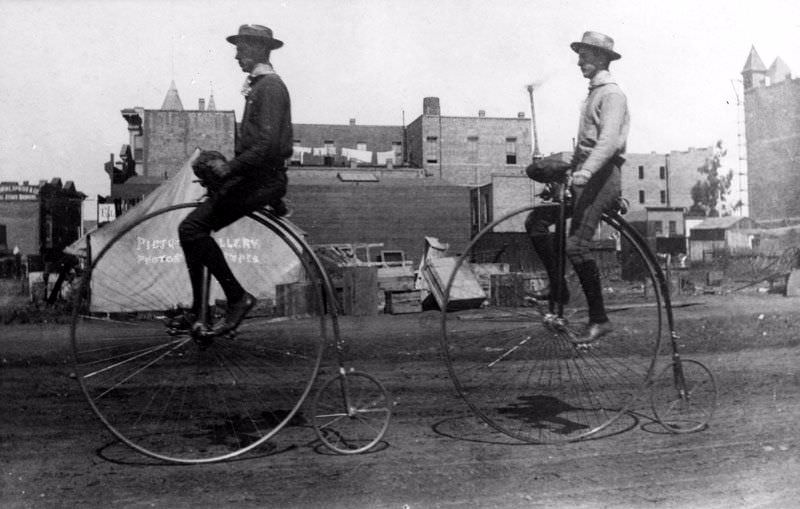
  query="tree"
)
[{"x": 708, "y": 193}]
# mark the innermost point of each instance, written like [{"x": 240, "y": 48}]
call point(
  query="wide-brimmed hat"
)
[
  {"x": 596, "y": 40},
  {"x": 256, "y": 33}
]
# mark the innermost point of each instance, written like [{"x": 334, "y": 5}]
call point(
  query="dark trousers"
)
[
  {"x": 588, "y": 204},
  {"x": 237, "y": 197}
]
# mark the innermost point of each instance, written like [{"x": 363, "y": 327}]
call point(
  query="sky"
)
[{"x": 70, "y": 66}]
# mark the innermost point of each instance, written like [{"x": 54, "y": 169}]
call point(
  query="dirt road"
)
[{"x": 55, "y": 453}]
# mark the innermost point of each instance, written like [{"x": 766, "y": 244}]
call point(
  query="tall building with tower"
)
[
  {"x": 772, "y": 132},
  {"x": 161, "y": 140}
]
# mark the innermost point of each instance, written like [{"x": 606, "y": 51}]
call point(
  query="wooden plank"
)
[
  {"x": 295, "y": 299},
  {"x": 360, "y": 287},
  {"x": 396, "y": 284},
  {"x": 403, "y": 302},
  {"x": 465, "y": 292}
]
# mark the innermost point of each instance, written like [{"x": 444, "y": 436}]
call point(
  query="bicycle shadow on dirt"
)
[
  {"x": 537, "y": 412},
  {"x": 230, "y": 434},
  {"x": 119, "y": 453}
]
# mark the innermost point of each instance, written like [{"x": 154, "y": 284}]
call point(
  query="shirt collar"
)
[
  {"x": 603, "y": 77},
  {"x": 261, "y": 69}
]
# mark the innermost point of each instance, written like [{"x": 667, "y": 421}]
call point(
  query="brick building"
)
[
  {"x": 40, "y": 220},
  {"x": 663, "y": 179},
  {"x": 364, "y": 207},
  {"x": 161, "y": 140},
  {"x": 772, "y": 132},
  {"x": 345, "y": 145},
  {"x": 467, "y": 150}
]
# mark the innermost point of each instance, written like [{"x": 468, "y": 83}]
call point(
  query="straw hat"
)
[
  {"x": 257, "y": 33},
  {"x": 596, "y": 40}
]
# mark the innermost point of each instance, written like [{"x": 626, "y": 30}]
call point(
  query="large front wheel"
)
[
  {"x": 518, "y": 369},
  {"x": 176, "y": 399}
]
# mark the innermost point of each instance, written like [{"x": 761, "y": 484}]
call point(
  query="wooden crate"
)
[
  {"x": 404, "y": 302},
  {"x": 360, "y": 291},
  {"x": 295, "y": 299},
  {"x": 396, "y": 279},
  {"x": 512, "y": 288},
  {"x": 484, "y": 272}
]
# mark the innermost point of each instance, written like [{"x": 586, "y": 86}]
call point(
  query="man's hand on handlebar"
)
[{"x": 581, "y": 177}]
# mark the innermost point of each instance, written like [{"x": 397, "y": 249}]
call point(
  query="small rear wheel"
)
[
  {"x": 351, "y": 412},
  {"x": 684, "y": 396}
]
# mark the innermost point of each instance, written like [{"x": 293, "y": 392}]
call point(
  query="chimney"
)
[
  {"x": 430, "y": 106},
  {"x": 201, "y": 104},
  {"x": 481, "y": 113},
  {"x": 352, "y": 121},
  {"x": 521, "y": 114}
]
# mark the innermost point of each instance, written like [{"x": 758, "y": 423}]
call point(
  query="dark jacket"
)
[{"x": 264, "y": 138}]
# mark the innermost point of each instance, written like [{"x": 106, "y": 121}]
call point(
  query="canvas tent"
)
[{"x": 145, "y": 269}]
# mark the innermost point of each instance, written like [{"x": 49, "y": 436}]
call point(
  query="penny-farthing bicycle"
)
[
  {"x": 189, "y": 399},
  {"x": 520, "y": 370}
]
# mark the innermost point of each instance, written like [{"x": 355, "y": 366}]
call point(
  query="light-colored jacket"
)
[{"x": 604, "y": 125}]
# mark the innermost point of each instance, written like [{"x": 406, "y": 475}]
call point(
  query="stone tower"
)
[
  {"x": 772, "y": 133},
  {"x": 172, "y": 101}
]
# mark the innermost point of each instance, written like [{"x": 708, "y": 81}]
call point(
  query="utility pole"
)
[
  {"x": 536, "y": 153},
  {"x": 740, "y": 153}
]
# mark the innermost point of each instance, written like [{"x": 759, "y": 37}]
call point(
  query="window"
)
[
  {"x": 641, "y": 196},
  {"x": 662, "y": 173},
  {"x": 673, "y": 228},
  {"x": 330, "y": 151},
  {"x": 486, "y": 211},
  {"x": 361, "y": 145},
  {"x": 48, "y": 231},
  {"x": 511, "y": 151},
  {"x": 432, "y": 149},
  {"x": 397, "y": 146},
  {"x": 663, "y": 197},
  {"x": 472, "y": 149},
  {"x": 658, "y": 228},
  {"x": 641, "y": 172}
]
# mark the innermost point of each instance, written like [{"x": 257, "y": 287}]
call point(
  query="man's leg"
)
[
  {"x": 600, "y": 193},
  {"x": 201, "y": 250},
  {"x": 537, "y": 225},
  {"x": 195, "y": 225},
  {"x": 235, "y": 202}
]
